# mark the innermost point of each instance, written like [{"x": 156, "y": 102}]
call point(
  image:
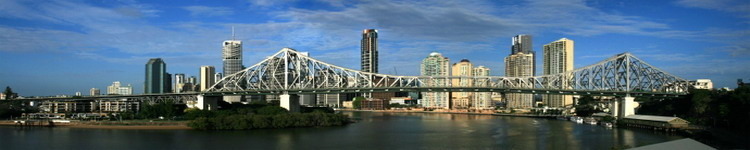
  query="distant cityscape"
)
[{"x": 520, "y": 62}]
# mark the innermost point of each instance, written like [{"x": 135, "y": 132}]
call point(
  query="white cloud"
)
[
  {"x": 742, "y": 7},
  {"x": 208, "y": 11}
]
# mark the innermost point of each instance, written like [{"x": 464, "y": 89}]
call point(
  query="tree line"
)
[{"x": 712, "y": 108}]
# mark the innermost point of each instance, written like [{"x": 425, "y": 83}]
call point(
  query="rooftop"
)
[
  {"x": 652, "y": 118},
  {"x": 683, "y": 144}
]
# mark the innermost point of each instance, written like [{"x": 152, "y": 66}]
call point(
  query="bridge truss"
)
[{"x": 290, "y": 72}]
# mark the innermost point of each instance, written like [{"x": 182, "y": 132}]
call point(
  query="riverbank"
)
[
  {"x": 488, "y": 112},
  {"x": 133, "y": 125}
]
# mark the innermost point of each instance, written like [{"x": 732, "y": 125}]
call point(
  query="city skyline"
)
[{"x": 708, "y": 44}]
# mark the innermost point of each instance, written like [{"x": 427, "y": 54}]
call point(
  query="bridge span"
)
[{"x": 289, "y": 72}]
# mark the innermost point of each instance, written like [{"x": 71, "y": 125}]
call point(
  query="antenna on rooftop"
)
[{"x": 232, "y": 33}]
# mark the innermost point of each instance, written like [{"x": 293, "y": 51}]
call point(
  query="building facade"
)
[
  {"x": 558, "y": 58},
  {"x": 157, "y": 79},
  {"x": 436, "y": 65},
  {"x": 369, "y": 53},
  {"x": 179, "y": 82},
  {"x": 522, "y": 44},
  {"x": 207, "y": 75},
  {"x": 374, "y": 104},
  {"x": 218, "y": 77},
  {"x": 462, "y": 100},
  {"x": 482, "y": 100},
  {"x": 702, "y": 84},
  {"x": 117, "y": 89},
  {"x": 519, "y": 65},
  {"x": 94, "y": 92},
  {"x": 232, "y": 56}
]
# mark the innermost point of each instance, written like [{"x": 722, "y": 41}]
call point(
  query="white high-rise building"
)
[
  {"x": 482, "y": 100},
  {"x": 558, "y": 58},
  {"x": 462, "y": 100},
  {"x": 179, "y": 82},
  {"x": 519, "y": 65},
  {"x": 208, "y": 78},
  {"x": 436, "y": 65},
  {"x": 94, "y": 92},
  {"x": 232, "y": 55},
  {"x": 117, "y": 89},
  {"x": 217, "y": 77}
]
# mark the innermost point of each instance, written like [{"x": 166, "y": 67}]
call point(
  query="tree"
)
[
  {"x": 8, "y": 93},
  {"x": 585, "y": 107},
  {"x": 358, "y": 102}
]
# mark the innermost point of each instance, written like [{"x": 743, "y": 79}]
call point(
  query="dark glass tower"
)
[
  {"x": 522, "y": 44},
  {"x": 157, "y": 78},
  {"x": 369, "y": 50}
]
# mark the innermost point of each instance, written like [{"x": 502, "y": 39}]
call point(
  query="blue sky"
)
[{"x": 60, "y": 47}]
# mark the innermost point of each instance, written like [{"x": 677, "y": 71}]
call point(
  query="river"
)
[{"x": 373, "y": 130}]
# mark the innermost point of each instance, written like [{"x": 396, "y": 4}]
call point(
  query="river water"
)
[{"x": 373, "y": 130}]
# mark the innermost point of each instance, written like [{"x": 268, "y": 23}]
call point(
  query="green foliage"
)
[
  {"x": 260, "y": 116},
  {"x": 14, "y": 108},
  {"x": 357, "y": 103},
  {"x": 166, "y": 109},
  {"x": 608, "y": 119},
  {"x": 8, "y": 93},
  {"x": 585, "y": 106},
  {"x": 271, "y": 110},
  {"x": 716, "y": 108}
]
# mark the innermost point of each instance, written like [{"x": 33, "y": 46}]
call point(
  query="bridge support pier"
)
[
  {"x": 290, "y": 102},
  {"x": 207, "y": 102},
  {"x": 624, "y": 106}
]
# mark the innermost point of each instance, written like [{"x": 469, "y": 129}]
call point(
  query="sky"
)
[{"x": 63, "y": 46}]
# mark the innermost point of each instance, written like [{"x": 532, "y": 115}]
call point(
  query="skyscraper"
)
[
  {"x": 519, "y": 65},
  {"x": 232, "y": 56},
  {"x": 157, "y": 78},
  {"x": 558, "y": 58},
  {"x": 521, "y": 62},
  {"x": 522, "y": 43},
  {"x": 369, "y": 50},
  {"x": 462, "y": 100},
  {"x": 436, "y": 65},
  {"x": 207, "y": 75},
  {"x": 179, "y": 82},
  {"x": 482, "y": 100},
  {"x": 217, "y": 77}
]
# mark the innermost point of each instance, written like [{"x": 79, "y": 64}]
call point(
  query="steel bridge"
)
[{"x": 291, "y": 72}]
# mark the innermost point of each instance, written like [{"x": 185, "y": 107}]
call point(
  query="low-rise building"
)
[
  {"x": 702, "y": 84},
  {"x": 347, "y": 104},
  {"x": 374, "y": 104},
  {"x": 68, "y": 106},
  {"x": 119, "y": 105},
  {"x": 664, "y": 122},
  {"x": 399, "y": 100}
]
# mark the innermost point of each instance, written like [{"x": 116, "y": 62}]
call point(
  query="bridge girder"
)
[{"x": 289, "y": 71}]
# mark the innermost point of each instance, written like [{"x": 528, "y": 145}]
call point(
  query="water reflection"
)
[{"x": 372, "y": 131}]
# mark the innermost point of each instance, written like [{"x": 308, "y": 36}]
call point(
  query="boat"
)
[
  {"x": 576, "y": 119},
  {"x": 608, "y": 124},
  {"x": 590, "y": 120}
]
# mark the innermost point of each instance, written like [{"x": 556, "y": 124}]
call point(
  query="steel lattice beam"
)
[{"x": 289, "y": 71}]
